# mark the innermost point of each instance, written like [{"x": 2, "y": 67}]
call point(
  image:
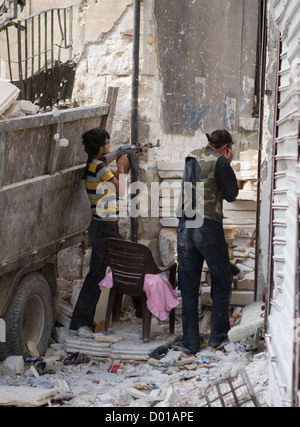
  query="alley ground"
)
[{"x": 175, "y": 380}]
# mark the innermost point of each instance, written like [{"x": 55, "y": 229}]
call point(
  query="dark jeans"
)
[
  {"x": 194, "y": 246},
  {"x": 85, "y": 308}
]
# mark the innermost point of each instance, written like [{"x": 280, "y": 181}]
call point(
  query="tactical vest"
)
[{"x": 213, "y": 198}]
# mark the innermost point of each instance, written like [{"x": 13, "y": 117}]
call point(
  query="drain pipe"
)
[{"x": 135, "y": 98}]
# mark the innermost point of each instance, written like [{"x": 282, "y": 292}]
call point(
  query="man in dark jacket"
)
[{"x": 202, "y": 238}]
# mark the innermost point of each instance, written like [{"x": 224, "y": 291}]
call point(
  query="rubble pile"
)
[{"x": 73, "y": 377}]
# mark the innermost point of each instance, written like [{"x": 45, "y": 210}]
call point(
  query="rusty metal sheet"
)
[
  {"x": 43, "y": 202},
  {"x": 41, "y": 211}
]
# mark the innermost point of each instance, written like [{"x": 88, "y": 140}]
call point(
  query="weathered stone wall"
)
[{"x": 197, "y": 73}]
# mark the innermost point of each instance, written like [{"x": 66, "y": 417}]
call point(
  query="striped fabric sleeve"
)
[{"x": 103, "y": 173}]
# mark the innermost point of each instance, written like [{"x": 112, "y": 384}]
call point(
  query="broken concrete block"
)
[
  {"x": 8, "y": 95},
  {"x": 167, "y": 246},
  {"x": 240, "y": 205},
  {"x": 28, "y": 107},
  {"x": 112, "y": 339},
  {"x": 25, "y": 396},
  {"x": 248, "y": 283},
  {"x": 13, "y": 365},
  {"x": 247, "y": 195},
  {"x": 239, "y": 298},
  {"x": 134, "y": 350},
  {"x": 87, "y": 346},
  {"x": 13, "y": 112},
  {"x": 252, "y": 319}
]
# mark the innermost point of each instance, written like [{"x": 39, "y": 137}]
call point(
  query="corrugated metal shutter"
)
[{"x": 285, "y": 202}]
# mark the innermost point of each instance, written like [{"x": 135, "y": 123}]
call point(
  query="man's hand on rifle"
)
[
  {"x": 123, "y": 164},
  {"x": 143, "y": 151}
]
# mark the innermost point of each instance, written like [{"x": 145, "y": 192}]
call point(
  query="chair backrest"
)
[{"x": 130, "y": 262}]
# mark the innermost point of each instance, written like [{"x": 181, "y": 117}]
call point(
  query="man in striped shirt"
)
[{"x": 103, "y": 187}]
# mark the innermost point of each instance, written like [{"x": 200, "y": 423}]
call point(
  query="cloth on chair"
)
[{"x": 161, "y": 297}]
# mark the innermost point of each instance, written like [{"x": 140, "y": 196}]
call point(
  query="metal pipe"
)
[
  {"x": 263, "y": 53},
  {"x": 135, "y": 97},
  {"x": 135, "y": 72}
]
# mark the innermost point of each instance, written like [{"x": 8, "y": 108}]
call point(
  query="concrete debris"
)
[
  {"x": 85, "y": 372},
  {"x": 24, "y": 396},
  {"x": 8, "y": 95},
  {"x": 10, "y": 108},
  {"x": 252, "y": 319},
  {"x": 13, "y": 365}
]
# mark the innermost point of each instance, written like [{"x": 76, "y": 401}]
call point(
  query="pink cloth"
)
[{"x": 161, "y": 297}]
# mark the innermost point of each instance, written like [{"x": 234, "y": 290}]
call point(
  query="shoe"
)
[
  {"x": 85, "y": 332},
  {"x": 76, "y": 359},
  {"x": 222, "y": 344},
  {"x": 180, "y": 347}
]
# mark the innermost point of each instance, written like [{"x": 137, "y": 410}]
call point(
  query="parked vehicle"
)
[{"x": 43, "y": 209}]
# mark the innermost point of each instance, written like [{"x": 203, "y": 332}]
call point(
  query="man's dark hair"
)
[
  {"x": 92, "y": 140},
  {"x": 219, "y": 138}
]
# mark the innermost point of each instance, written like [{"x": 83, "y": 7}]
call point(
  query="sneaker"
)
[{"x": 85, "y": 332}]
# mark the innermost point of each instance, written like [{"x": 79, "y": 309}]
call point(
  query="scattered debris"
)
[
  {"x": 120, "y": 372},
  {"x": 231, "y": 391}
]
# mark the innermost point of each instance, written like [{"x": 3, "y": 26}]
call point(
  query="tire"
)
[{"x": 29, "y": 316}]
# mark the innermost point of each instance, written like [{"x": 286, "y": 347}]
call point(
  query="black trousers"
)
[
  {"x": 194, "y": 246},
  {"x": 85, "y": 308}
]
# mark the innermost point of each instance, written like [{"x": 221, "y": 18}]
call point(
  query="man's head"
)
[
  {"x": 220, "y": 139},
  {"x": 96, "y": 143}
]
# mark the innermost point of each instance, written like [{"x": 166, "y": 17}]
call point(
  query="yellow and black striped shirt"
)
[{"x": 101, "y": 191}]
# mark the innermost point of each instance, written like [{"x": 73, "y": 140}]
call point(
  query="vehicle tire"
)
[{"x": 29, "y": 316}]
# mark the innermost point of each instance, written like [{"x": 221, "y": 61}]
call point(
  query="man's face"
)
[{"x": 105, "y": 149}]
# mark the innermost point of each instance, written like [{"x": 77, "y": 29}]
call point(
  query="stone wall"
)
[{"x": 193, "y": 78}]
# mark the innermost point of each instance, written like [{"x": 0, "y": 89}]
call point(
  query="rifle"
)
[{"x": 130, "y": 150}]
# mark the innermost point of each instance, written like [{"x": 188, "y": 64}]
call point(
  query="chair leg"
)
[
  {"x": 116, "y": 311},
  {"x": 147, "y": 316},
  {"x": 109, "y": 309},
  {"x": 172, "y": 322}
]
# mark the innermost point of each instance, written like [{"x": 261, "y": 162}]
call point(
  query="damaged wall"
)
[
  {"x": 207, "y": 60},
  {"x": 197, "y": 73}
]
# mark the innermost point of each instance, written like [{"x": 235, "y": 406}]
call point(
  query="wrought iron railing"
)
[{"x": 39, "y": 52}]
